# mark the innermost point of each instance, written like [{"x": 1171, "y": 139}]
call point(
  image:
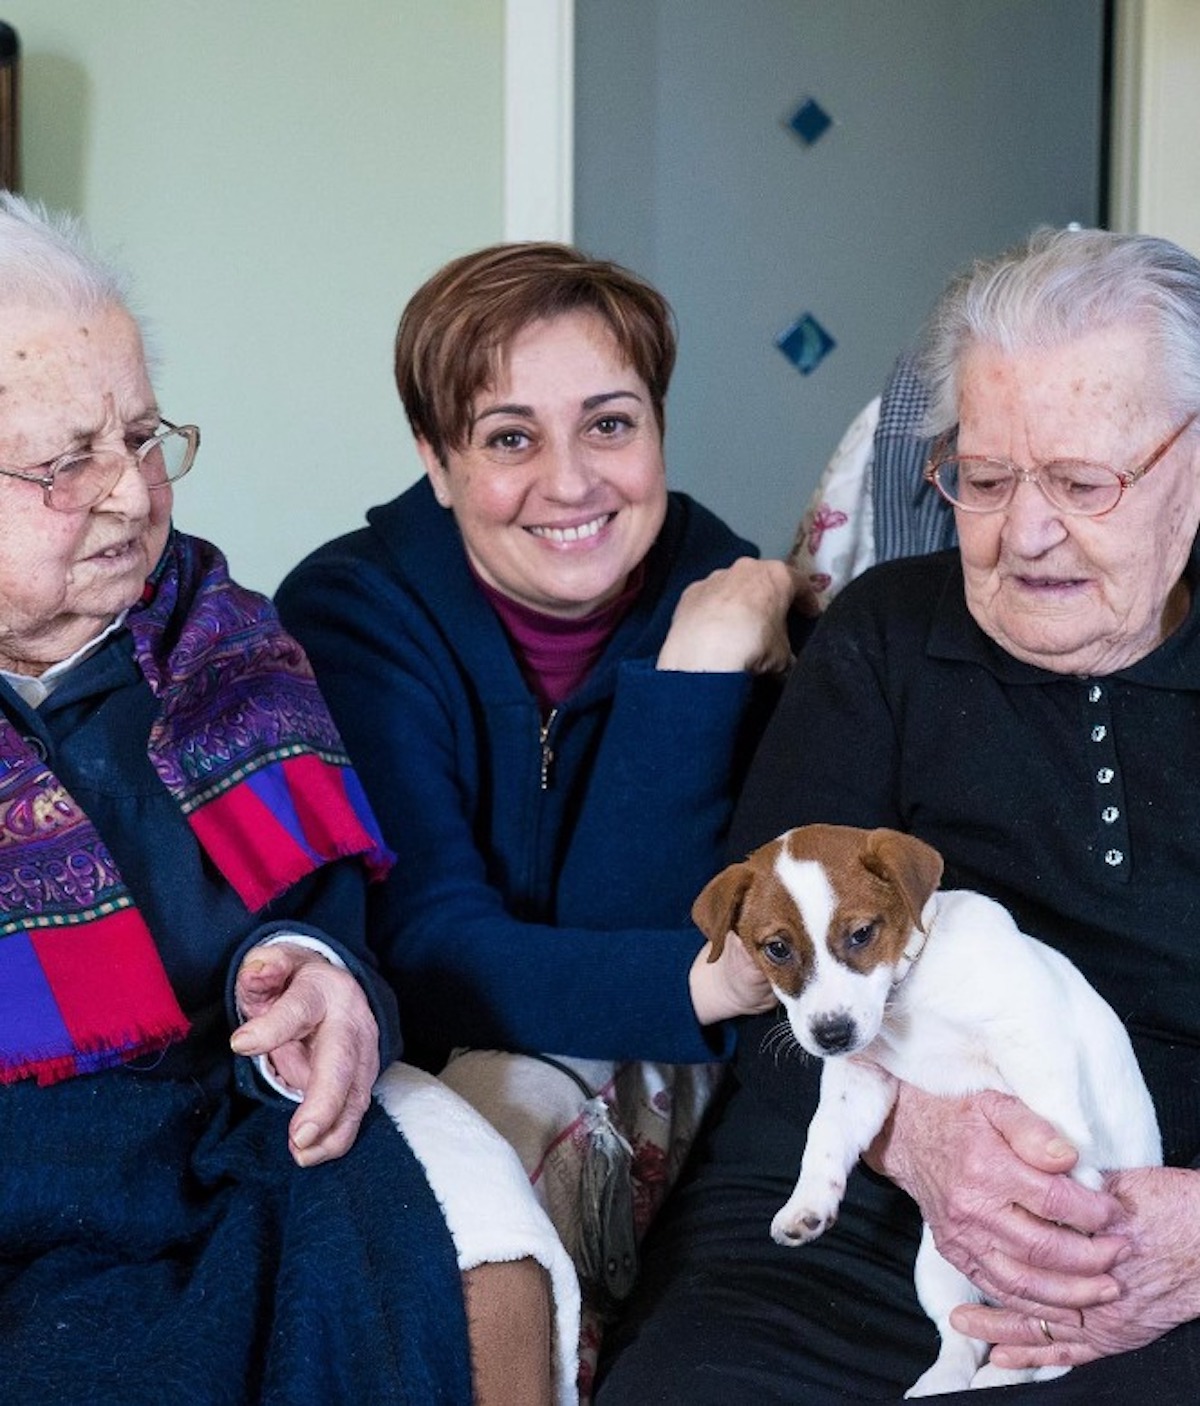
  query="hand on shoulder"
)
[{"x": 735, "y": 620}]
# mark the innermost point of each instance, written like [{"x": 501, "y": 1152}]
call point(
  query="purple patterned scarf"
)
[{"x": 244, "y": 743}]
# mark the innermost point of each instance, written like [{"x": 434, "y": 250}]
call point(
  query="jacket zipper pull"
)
[{"x": 547, "y": 750}]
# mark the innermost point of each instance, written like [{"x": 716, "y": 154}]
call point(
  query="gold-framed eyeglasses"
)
[
  {"x": 75, "y": 481},
  {"x": 980, "y": 484}
]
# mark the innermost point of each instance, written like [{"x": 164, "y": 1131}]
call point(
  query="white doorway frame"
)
[
  {"x": 1156, "y": 88},
  {"x": 539, "y": 119}
]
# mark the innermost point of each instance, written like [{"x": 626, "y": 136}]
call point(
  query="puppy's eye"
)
[
  {"x": 778, "y": 951},
  {"x": 861, "y": 936}
]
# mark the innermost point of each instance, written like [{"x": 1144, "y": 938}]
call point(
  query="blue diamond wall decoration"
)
[
  {"x": 810, "y": 121},
  {"x": 805, "y": 343}
]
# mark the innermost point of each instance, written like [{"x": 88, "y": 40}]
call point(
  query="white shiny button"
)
[
  {"x": 1113, "y": 857},
  {"x": 1099, "y": 733},
  {"x": 1095, "y": 693},
  {"x": 1109, "y": 814},
  {"x": 1104, "y": 775}
]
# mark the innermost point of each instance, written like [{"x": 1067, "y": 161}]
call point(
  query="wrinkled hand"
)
[
  {"x": 732, "y": 985},
  {"x": 314, "y": 1023},
  {"x": 991, "y": 1179},
  {"x": 1158, "y": 1279},
  {"x": 736, "y": 619}
]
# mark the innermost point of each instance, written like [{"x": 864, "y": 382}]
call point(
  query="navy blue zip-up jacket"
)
[{"x": 545, "y": 874}]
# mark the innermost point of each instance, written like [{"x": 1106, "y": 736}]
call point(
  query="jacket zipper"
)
[{"x": 547, "y": 750}]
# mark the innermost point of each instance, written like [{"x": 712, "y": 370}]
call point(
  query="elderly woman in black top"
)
[{"x": 1030, "y": 705}]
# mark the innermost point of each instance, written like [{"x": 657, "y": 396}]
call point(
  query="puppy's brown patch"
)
[{"x": 881, "y": 880}]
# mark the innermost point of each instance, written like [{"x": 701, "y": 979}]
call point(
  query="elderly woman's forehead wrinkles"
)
[{"x": 123, "y": 409}]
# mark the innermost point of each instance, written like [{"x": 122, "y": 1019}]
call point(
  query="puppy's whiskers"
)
[{"x": 781, "y": 1041}]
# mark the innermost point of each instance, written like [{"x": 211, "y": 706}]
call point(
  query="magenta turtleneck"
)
[{"x": 556, "y": 655}]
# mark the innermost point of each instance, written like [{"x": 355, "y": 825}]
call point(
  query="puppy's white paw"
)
[
  {"x": 799, "y": 1230},
  {"x": 1001, "y": 1376},
  {"x": 940, "y": 1378},
  {"x": 804, "y": 1216},
  {"x": 988, "y": 1375},
  {"x": 956, "y": 1368}
]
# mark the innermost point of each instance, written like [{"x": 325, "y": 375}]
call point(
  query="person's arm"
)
[
  {"x": 735, "y": 619},
  {"x": 313, "y": 1018},
  {"x": 327, "y": 911},
  {"x": 992, "y": 1180},
  {"x": 675, "y": 749},
  {"x": 467, "y": 970}
]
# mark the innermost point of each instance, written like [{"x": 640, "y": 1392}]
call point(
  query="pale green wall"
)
[{"x": 277, "y": 176}]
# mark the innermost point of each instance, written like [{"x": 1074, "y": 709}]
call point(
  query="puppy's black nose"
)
[{"x": 834, "y": 1033}]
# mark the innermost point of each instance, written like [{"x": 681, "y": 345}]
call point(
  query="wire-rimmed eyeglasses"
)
[
  {"x": 81, "y": 478},
  {"x": 980, "y": 484}
]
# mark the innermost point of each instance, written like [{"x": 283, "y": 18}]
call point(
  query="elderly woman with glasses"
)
[
  {"x": 1029, "y": 704},
  {"x": 184, "y": 855}
]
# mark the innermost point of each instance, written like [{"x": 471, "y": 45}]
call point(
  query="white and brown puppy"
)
[{"x": 881, "y": 975}]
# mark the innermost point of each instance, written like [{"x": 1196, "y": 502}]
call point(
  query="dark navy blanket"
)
[{"x": 157, "y": 1244}]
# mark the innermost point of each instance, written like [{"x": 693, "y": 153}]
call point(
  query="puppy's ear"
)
[
  {"x": 911, "y": 866},
  {"x": 716, "y": 910}
]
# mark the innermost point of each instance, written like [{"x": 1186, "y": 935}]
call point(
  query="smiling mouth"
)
[{"x": 573, "y": 534}]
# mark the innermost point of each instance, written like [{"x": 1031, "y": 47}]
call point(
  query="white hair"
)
[
  {"x": 1056, "y": 287},
  {"x": 47, "y": 261}
]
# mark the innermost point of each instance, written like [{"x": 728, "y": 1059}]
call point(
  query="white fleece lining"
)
[{"x": 485, "y": 1196}]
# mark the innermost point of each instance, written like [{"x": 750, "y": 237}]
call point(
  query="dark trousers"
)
[{"x": 724, "y": 1316}]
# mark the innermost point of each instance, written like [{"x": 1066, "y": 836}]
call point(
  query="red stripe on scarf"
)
[
  {"x": 249, "y": 846},
  {"x": 258, "y": 855},
  {"x": 118, "y": 999},
  {"x": 328, "y": 816},
  {"x": 47, "y": 1071}
]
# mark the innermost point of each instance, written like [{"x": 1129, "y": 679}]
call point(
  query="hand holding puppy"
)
[
  {"x": 728, "y": 985},
  {"x": 1157, "y": 1275},
  {"x": 992, "y": 1180}
]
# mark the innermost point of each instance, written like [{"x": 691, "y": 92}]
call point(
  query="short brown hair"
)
[{"x": 458, "y": 326}]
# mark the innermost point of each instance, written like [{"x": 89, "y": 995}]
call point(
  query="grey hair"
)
[
  {"x": 1060, "y": 285},
  {"x": 47, "y": 261}
]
